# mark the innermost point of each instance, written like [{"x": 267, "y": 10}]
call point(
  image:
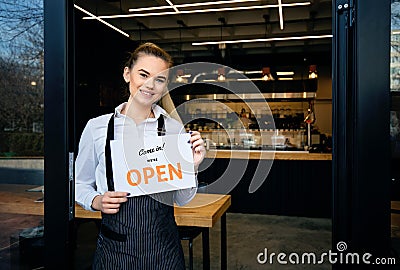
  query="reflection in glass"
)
[{"x": 21, "y": 134}]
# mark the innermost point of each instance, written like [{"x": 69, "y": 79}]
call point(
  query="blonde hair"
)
[
  {"x": 149, "y": 48},
  {"x": 168, "y": 105}
]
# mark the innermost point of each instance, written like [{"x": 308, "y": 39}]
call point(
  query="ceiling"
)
[{"x": 177, "y": 31}]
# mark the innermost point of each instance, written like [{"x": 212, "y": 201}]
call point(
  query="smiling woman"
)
[{"x": 134, "y": 219}]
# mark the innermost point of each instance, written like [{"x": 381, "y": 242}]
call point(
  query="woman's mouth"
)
[{"x": 146, "y": 93}]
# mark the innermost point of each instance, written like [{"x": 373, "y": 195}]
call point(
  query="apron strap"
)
[
  {"x": 107, "y": 150},
  {"x": 161, "y": 126}
]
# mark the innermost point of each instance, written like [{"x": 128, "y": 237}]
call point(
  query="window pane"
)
[
  {"x": 395, "y": 83},
  {"x": 21, "y": 134}
]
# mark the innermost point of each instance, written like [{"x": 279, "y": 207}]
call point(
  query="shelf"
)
[
  {"x": 232, "y": 90},
  {"x": 257, "y": 96}
]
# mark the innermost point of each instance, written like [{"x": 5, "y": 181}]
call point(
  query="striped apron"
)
[{"x": 143, "y": 234}]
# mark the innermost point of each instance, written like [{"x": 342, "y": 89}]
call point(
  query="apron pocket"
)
[{"x": 107, "y": 232}]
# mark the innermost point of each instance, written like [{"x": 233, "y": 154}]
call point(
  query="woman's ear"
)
[{"x": 126, "y": 74}]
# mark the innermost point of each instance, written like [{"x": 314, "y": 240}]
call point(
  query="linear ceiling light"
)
[
  {"x": 250, "y": 79},
  {"x": 198, "y": 11},
  {"x": 172, "y": 5},
  {"x": 253, "y": 72},
  {"x": 280, "y": 13},
  {"x": 192, "y": 5},
  {"x": 284, "y": 73},
  {"x": 100, "y": 20},
  {"x": 259, "y": 40}
]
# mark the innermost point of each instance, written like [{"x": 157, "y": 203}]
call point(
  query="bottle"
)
[{"x": 243, "y": 113}]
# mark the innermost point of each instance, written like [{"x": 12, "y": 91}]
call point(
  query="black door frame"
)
[
  {"x": 361, "y": 105},
  {"x": 59, "y": 133},
  {"x": 361, "y": 157}
]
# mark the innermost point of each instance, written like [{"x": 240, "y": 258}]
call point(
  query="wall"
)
[
  {"x": 22, "y": 171},
  {"x": 22, "y": 163},
  {"x": 323, "y": 103}
]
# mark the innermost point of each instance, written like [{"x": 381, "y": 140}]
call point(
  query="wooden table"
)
[
  {"x": 14, "y": 199},
  {"x": 203, "y": 211}
]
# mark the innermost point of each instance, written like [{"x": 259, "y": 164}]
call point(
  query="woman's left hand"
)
[{"x": 199, "y": 151}]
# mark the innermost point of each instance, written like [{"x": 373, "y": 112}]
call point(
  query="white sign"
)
[{"x": 153, "y": 164}]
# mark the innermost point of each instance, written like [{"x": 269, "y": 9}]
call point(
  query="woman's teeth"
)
[{"x": 146, "y": 93}]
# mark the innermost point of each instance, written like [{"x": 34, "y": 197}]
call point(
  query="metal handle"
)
[{"x": 71, "y": 186}]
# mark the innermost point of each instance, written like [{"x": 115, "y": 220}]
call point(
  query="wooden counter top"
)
[
  {"x": 203, "y": 211},
  {"x": 267, "y": 155}
]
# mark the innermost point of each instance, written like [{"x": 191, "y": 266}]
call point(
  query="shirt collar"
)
[
  {"x": 157, "y": 110},
  {"x": 118, "y": 110}
]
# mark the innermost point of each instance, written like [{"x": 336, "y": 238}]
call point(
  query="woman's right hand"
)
[{"x": 110, "y": 202}]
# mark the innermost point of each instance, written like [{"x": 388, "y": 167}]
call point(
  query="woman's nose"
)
[{"x": 149, "y": 83}]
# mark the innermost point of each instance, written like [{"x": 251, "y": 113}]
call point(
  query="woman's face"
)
[{"x": 147, "y": 79}]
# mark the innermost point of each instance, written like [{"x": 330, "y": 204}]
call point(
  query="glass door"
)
[
  {"x": 395, "y": 122},
  {"x": 21, "y": 134}
]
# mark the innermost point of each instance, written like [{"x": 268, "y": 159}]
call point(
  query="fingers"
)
[
  {"x": 116, "y": 194},
  {"x": 111, "y": 201},
  {"x": 114, "y": 197},
  {"x": 198, "y": 148},
  {"x": 196, "y": 141},
  {"x": 110, "y": 208}
]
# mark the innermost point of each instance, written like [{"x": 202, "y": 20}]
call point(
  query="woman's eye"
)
[
  {"x": 160, "y": 80},
  {"x": 143, "y": 75}
]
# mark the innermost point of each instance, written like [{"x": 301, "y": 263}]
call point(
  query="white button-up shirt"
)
[{"x": 90, "y": 167}]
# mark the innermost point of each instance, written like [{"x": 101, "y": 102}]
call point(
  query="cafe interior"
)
[
  {"x": 298, "y": 153},
  {"x": 292, "y": 73}
]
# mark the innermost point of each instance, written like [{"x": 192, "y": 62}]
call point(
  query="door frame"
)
[
  {"x": 59, "y": 133},
  {"x": 361, "y": 153},
  {"x": 361, "y": 117}
]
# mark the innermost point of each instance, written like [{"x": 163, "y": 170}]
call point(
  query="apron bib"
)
[{"x": 143, "y": 234}]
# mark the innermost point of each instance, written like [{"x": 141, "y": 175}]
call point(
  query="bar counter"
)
[
  {"x": 267, "y": 155},
  {"x": 294, "y": 183}
]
